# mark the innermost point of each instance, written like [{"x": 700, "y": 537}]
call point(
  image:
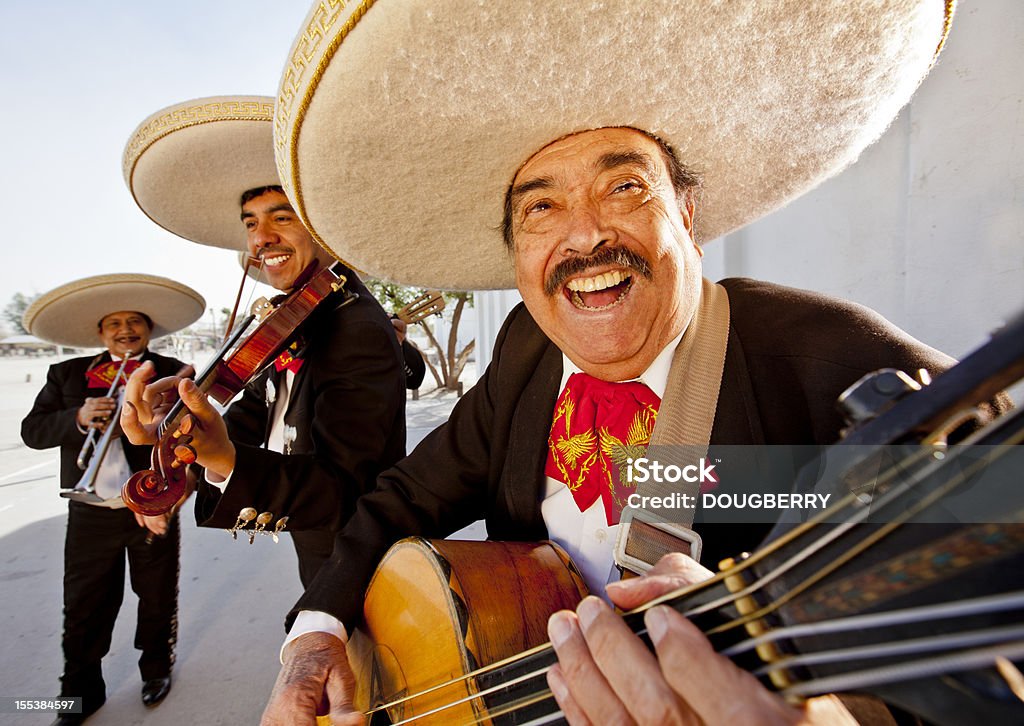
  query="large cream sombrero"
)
[
  {"x": 187, "y": 165},
  {"x": 400, "y": 123},
  {"x": 69, "y": 314}
]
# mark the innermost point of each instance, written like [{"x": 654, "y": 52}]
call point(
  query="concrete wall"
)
[{"x": 927, "y": 227}]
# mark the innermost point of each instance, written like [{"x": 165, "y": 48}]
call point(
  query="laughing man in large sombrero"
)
[{"x": 407, "y": 131}]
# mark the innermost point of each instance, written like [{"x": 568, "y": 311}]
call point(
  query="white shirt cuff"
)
[
  {"x": 222, "y": 484},
  {"x": 313, "y": 621}
]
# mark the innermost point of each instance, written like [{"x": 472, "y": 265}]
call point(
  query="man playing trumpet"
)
[{"x": 122, "y": 313}]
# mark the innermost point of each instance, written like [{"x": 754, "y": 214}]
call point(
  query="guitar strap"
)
[{"x": 681, "y": 436}]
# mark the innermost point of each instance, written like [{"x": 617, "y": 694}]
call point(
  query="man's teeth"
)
[
  {"x": 597, "y": 282},
  {"x": 275, "y": 261}
]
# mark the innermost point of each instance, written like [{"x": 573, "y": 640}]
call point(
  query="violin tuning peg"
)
[
  {"x": 185, "y": 454},
  {"x": 187, "y": 424}
]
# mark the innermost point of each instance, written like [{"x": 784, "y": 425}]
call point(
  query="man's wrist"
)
[{"x": 313, "y": 621}]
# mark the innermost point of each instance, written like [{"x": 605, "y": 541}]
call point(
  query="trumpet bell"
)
[{"x": 81, "y": 495}]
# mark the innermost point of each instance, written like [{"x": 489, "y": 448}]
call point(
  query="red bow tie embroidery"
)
[
  {"x": 597, "y": 427},
  {"x": 289, "y": 361},
  {"x": 102, "y": 376}
]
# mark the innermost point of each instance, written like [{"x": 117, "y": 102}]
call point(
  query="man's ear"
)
[{"x": 688, "y": 210}]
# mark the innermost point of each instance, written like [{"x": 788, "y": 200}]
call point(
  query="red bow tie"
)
[
  {"x": 289, "y": 361},
  {"x": 598, "y": 426},
  {"x": 102, "y": 376}
]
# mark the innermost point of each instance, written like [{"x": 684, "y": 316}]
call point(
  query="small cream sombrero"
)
[
  {"x": 400, "y": 123},
  {"x": 69, "y": 314},
  {"x": 187, "y": 165}
]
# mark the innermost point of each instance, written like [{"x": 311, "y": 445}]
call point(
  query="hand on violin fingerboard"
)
[{"x": 146, "y": 404}]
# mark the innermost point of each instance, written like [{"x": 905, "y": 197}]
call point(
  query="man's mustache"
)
[{"x": 617, "y": 256}]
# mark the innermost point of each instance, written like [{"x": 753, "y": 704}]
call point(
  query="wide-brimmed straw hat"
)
[
  {"x": 69, "y": 314},
  {"x": 187, "y": 165},
  {"x": 400, "y": 124}
]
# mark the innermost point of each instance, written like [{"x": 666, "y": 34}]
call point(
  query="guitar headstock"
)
[{"x": 430, "y": 302}]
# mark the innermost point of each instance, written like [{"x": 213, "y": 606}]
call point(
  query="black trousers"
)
[{"x": 94, "y": 556}]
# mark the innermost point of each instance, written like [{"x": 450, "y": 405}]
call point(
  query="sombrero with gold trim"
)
[
  {"x": 69, "y": 314},
  {"x": 187, "y": 165},
  {"x": 400, "y": 123}
]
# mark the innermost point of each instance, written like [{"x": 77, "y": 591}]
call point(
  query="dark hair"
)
[
  {"x": 248, "y": 196},
  {"x": 685, "y": 180},
  {"x": 149, "y": 320}
]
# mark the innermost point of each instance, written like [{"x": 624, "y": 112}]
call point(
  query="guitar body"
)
[{"x": 439, "y": 609}]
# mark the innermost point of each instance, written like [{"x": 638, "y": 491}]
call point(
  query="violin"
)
[{"x": 243, "y": 357}]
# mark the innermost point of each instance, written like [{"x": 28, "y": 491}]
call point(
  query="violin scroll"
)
[{"x": 149, "y": 493}]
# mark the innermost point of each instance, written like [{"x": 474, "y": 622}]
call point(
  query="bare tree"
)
[{"x": 450, "y": 360}]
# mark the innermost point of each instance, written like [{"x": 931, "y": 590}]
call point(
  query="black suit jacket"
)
[
  {"x": 790, "y": 354},
  {"x": 346, "y": 411},
  {"x": 52, "y": 420}
]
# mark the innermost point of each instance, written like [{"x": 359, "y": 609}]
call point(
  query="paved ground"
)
[{"x": 233, "y": 596}]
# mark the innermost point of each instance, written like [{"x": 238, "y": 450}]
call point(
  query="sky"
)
[{"x": 77, "y": 78}]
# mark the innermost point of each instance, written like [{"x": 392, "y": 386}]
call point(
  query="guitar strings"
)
[
  {"x": 752, "y": 588},
  {"x": 960, "y": 608},
  {"x": 801, "y": 555},
  {"x": 922, "y": 668},
  {"x": 953, "y": 663},
  {"x": 730, "y": 598},
  {"x": 901, "y": 647}
]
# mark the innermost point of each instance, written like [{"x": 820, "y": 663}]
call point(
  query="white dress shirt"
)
[{"x": 114, "y": 470}]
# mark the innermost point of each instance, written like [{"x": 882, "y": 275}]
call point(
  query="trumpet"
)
[{"x": 92, "y": 453}]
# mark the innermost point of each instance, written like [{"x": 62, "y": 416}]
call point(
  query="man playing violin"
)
[
  {"x": 101, "y": 530},
  {"x": 316, "y": 427}
]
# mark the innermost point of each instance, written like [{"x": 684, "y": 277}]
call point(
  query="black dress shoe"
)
[{"x": 155, "y": 690}]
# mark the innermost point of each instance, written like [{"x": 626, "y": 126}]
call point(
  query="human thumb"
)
[
  {"x": 196, "y": 400},
  {"x": 131, "y": 427}
]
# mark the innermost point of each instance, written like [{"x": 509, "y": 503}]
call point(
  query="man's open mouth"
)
[{"x": 599, "y": 292}]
